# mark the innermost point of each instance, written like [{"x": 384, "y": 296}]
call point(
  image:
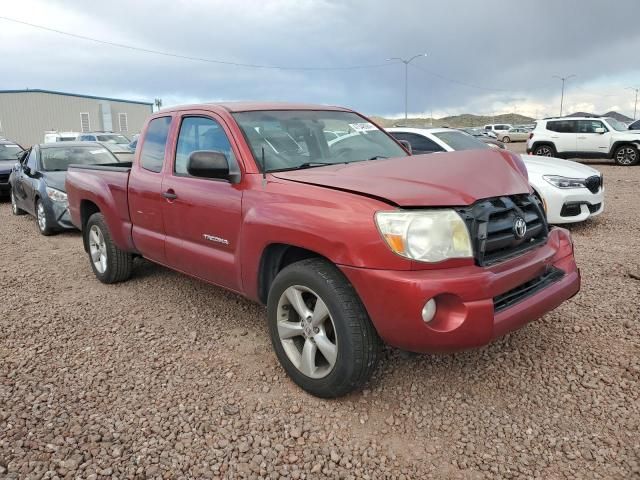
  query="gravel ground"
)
[{"x": 165, "y": 376}]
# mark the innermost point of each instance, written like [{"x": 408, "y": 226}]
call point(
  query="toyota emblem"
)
[{"x": 519, "y": 227}]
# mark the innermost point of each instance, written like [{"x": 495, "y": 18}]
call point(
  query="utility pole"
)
[
  {"x": 158, "y": 103},
  {"x": 635, "y": 105},
  {"x": 564, "y": 79},
  {"x": 406, "y": 78}
]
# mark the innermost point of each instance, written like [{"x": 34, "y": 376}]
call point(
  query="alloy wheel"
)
[
  {"x": 543, "y": 151},
  {"x": 307, "y": 332},
  {"x": 98, "y": 249},
  {"x": 41, "y": 217},
  {"x": 626, "y": 156}
]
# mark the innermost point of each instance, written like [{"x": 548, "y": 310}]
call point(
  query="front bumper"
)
[
  {"x": 465, "y": 314},
  {"x": 60, "y": 218},
  {"x": 570, "y": 205}
]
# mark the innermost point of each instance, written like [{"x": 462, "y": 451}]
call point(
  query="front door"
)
[
  {"x": 203, "y": 216},
  {"x": 26, "y": 183},
  {"x": 591, "y": 142}
]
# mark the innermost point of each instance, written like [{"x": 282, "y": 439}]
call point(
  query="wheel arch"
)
[
  {"x": 87, "y": 208},
  {"x": 274, "y": 258},
  {"x": 621, "y": 143}
]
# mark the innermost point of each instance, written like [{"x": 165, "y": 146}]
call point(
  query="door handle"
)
[{"x": 169, "y": 195}]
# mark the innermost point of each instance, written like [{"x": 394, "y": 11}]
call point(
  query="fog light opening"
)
[{"x": 429, "y": 310}]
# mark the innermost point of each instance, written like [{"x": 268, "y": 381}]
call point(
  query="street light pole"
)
[
  {"x": 564, "y": 79},
  {"x": 635, "y": 105},
  {"x": 406, "y": 78}
]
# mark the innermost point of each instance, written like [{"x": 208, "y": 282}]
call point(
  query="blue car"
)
[
  {"x": 9, "y": 153},
  {"x": 37, "y": 181}
]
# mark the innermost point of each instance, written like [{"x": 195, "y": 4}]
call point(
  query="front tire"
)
[
  {"x": 14, "y": 205},
  {"x": 108, "y": 262},
  {"x": 626, "y": 156},
  {"x": 545, "y": 150},
  {"x": 320, "y": 330},
  {"x": 42, "y": 221},
  {"x": 506, "y": 139}
]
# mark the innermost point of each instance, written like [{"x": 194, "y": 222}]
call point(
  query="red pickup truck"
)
[{"x": 325, "y": 218}]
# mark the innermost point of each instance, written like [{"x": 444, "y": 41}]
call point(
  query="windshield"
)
[
  {"x": 58, "y": 159},
  {"x": 292, "y": 139},
  {"x": 120, "y": 139},
  {"x": 461, "y": 141},
  {"x": 9, "y": 151},
  {"x": 616, "y": 125}
]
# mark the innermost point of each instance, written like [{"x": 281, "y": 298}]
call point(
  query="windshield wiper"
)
[
  {"x": 377, "y": 157},
  {"x": 305, "y": 165}
]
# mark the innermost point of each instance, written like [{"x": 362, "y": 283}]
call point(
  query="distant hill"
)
[
  {"x": 457, "y": 121},
  {"x": 618, "y": 116}
]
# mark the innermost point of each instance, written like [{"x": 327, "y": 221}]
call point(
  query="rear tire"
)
[
  {"x": 626, "y": 156},
  {"x": 343, "y": 350},
  {"x": 14, "y": 205},
  {"x": 108, "y": 262},
  {"x": 506, "y": 139},
  {"x": 545, "y": 150}
]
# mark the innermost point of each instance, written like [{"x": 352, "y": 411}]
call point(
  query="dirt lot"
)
[{"x": 165, "y": 376}]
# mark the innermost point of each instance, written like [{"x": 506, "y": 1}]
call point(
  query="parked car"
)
[
  {"x": 345, "y": 244},
  {"x": 497, "y": 128},
  {"x": 481, "y": 135},
  {"x": 514, "y": 135},
  {"x": 37, "y": 181},
  {"x": 55, "y": 136},
  {"x": 570, "y": 192},
  {"x": 119, "y": 144},
  {"x": 635, "y": 125},
  {"x": 585, "y": 137},
  {"x": 9, "y": 152}
]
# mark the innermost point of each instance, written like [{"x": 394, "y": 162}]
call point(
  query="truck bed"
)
[{"x": 103, "y": 188}]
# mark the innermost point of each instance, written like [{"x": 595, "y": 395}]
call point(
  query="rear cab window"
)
[{"x": 154, "y": 144}]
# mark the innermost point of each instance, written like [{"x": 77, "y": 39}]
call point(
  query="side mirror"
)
[
  {"x": 26, "y": 170},
  {"x": 406, "y": 145},
  {"x": 600, "y": 130},
  {"x": 209, "y": 164}
]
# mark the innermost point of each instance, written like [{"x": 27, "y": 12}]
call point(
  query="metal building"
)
[{"x": 25, "y": 115}]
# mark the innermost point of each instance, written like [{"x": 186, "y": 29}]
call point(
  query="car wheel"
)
[
  {"x": 41, "y": 219},
  {"x": 108, "y": 262},
  {"x": 626, "y": 156},
  {"x": 545, "y": 151},
  {"x": 506, "y": 139},
  {"x": 320, "y": 330},
  {"x": 15, "y": 209}
]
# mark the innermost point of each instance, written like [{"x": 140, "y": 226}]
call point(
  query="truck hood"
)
[
  {"x": 556, "y": 166},
  {"x": 446, "y": 179}
]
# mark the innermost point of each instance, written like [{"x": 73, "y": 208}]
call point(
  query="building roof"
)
[{"x": 53, "y": 92}]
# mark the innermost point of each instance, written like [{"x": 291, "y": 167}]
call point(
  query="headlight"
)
[
  {"x": 425, "y": 235},
  {"x": 564, "y": 182},
  {"x": 56, "y": 195}
]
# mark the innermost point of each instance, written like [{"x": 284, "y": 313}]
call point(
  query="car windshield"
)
[
  {"x": 119, "y": 139},
  {"x": 58, "y": 159},
  {"x": 461, "y": 141},
  {"x": 616, "y": 125},
  {"x": 9, "y": 151},
  {"x": 293, "y": 139}
]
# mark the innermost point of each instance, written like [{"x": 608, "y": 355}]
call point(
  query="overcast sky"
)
[{"x": 483, "y": 57}]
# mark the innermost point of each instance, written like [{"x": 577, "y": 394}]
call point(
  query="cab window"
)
[{"x": 154, "y": 144}]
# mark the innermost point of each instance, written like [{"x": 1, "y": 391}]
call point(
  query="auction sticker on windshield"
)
[{"x": 363, "y": 127}]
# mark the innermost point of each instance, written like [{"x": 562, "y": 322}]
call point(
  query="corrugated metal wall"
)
[{"x": 25, "y": 116}]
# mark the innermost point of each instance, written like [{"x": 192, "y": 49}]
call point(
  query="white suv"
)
[{"x": 585, "y": 137}]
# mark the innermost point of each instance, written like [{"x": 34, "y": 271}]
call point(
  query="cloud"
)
[{"x": 481, "y": 59}]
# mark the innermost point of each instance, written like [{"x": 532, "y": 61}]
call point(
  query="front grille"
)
[
  {"x": 527, "y": 289},
  {"x": 594, "y": 183},
  {"x": 4, "y": 177},
  {"x": 491, "y": 223}
]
